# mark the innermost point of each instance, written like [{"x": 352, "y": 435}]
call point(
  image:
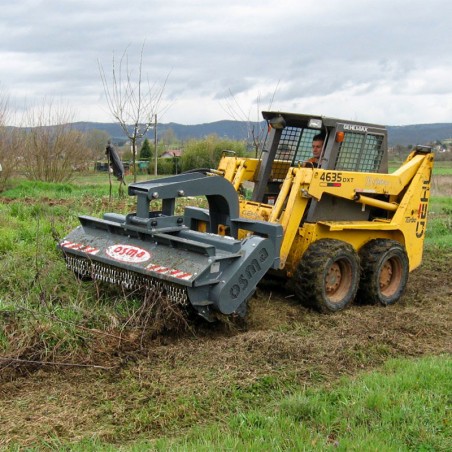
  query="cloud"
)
[{"x": 350, "y": 58}]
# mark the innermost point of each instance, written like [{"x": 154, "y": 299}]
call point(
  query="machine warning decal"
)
[
  {"x": 169, "y": 271},
  {"x": 79, "y": 247},
  {"x": 128, "y": 253}
]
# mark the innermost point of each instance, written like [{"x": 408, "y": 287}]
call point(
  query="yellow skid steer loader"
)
[{"x": 340, "y": 229}]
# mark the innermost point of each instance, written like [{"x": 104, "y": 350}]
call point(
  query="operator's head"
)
[{"x": 317, "y": 145}]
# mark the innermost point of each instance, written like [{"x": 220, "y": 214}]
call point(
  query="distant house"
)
[{"x": 171, "y": 154}]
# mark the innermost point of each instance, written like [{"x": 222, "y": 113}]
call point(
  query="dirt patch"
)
[
  {"x": 441, "y": 185},
  {"x": 179, "y": 381}
]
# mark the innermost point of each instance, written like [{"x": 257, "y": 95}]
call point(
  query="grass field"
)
[
  {"x": 403, "y": 406},
  {"x": 442, "y": 168},
  {"x": 81, "y": 369}
]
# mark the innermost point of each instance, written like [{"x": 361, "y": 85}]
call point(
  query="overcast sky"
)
[{"x": 383, "y": 61}]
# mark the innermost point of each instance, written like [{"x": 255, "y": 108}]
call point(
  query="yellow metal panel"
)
[
  {"x": 292, "y": 215},
  {"x": 356, "y": 225},
  {"x": 282, "y": 197},
  {"x": 411, "y": 216}
]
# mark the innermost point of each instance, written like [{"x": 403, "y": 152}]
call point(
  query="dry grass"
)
[
  {"x": 158, "y": 378},
  {"x": 165, "y": 383},
  {"x": 441, "y": 185}
]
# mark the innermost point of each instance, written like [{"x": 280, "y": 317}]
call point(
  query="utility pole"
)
[{"x": 155, "y": 144}]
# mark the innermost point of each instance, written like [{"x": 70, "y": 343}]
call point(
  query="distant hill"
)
[
  {"x": 418, "y": 133},
  {"x": 237, "y": 130},
  {"x": 234, "y": 130}
]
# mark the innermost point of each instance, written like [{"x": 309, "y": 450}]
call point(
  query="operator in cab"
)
[{"x": 317, "y": 147}]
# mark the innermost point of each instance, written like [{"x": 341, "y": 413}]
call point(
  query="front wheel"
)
[
  {"x": 384, "y": 272},
  {"x": 328, "y": 275}
]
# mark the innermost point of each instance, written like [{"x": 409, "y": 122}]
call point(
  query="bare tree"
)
[
  {"x": 53, "y": 149},
  {"x": 133, "y": 102},
  {"x": 4, "y": 107},
  {"x": 11, "y": 142},
  {"x": 95, "y": 141},
  {"x": 255, "y": 130}
]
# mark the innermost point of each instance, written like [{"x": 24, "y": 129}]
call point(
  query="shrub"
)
[{"x": 207, "y": 153}]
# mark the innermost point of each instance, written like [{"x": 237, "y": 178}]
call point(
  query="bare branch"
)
[
  {"x": 255, "y": 132},
  {"x": 132, "y": 104}
]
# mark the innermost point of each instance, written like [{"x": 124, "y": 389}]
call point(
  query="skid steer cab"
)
[{"x": 339, "y": 230}]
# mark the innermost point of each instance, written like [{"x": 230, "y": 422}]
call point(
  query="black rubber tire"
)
[
  {"x": 328, "y": 275},
  {"x": 384, "y": 272}
]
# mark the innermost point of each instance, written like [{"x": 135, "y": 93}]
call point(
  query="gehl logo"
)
[
  {"x": 244, "y": 278},
  {"x": 422, "y": 210}
]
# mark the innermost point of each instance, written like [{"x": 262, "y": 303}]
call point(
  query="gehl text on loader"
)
[{"x": 339, "y": 231}]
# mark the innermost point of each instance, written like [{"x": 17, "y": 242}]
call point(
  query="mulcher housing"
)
[
  {"x": 343, "y": 230},
  {"x": 157, "y": 251}
]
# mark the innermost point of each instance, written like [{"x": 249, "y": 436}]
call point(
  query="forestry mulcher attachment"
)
[{"x": 338, "y": 230}]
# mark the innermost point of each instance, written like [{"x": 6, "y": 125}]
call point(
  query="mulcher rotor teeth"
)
[{"x": 85, "y": 268}]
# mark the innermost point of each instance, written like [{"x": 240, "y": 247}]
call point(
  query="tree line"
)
[{"x": 49, "y": 149}]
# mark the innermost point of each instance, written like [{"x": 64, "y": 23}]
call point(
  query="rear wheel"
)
[
  {"x": 384, "y": 272},
  {"x": 327, "y": 277}
]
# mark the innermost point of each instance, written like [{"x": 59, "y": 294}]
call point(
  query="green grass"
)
[
  {"x": 404, "y": 406},
  {"x": 440, "y": 168},
  {"x": 31, "y": 268},
  {"x": 38, "y": 295},
  {"x": 92, "y": 184},
  {"x": 439, "y": 226},
  {"x": 45, "y": 312}
]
